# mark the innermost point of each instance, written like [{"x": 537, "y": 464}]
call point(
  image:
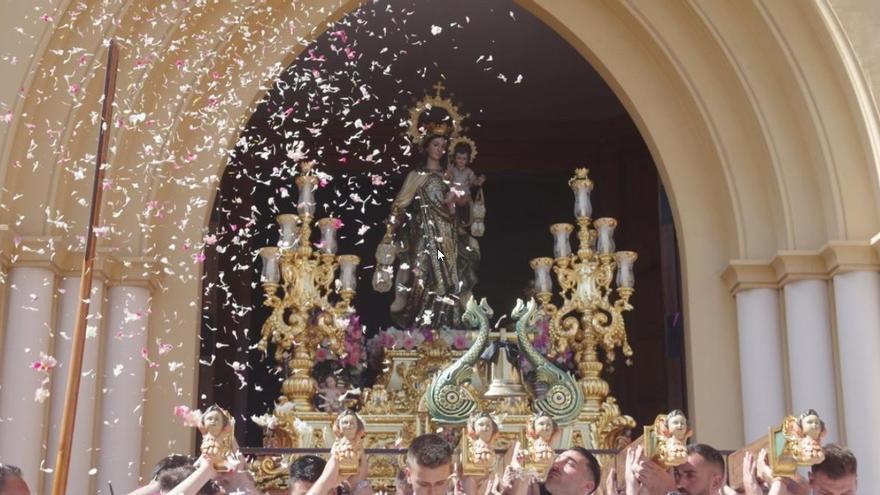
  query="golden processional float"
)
[{"x": 517, "y": 391}]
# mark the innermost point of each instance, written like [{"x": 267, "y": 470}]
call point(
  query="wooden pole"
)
[{"x": 74, "y": 372}]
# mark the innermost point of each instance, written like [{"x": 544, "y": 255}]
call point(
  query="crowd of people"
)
[{"x": 430, "y": 469}]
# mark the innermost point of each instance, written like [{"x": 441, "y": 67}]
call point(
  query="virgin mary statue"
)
[{"x": 435, "y": 257}]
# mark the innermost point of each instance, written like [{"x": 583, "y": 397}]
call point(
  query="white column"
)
[
  {"x": 811, "y": 361},
  {"x": 81, "y": 449},
  {"x": 760, "y": 360},
  {"x": 27, "y": 333},
  {"x": 124, "y": 373},
  {"x": 857, "y": 310}
]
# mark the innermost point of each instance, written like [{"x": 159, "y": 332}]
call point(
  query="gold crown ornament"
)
[
  {"x": 450, "y": 127},
  {"x": 438, "y": 129}
]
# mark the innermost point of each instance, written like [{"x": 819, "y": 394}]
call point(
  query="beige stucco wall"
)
[{"x": 759, "y": 115}]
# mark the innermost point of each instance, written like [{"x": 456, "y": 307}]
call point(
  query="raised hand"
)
[
  {"x": 750, "y": 475},
  {"x": 654, "y": 478}
]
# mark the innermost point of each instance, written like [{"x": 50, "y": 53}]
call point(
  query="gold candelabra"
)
[
  {"x": 303, "y": 316},
  {"x": 590, "y": 316}
]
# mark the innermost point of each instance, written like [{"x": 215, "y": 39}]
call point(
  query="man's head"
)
[
  {"x": 574, "y": 472},
  {"x": 304, "y": 472},
  {"x": 170, "y": 462},
  {"x": 703, "y": 473},
  {"x": 172, "y": 477},
  {"x": 429, "y": 464},
  {"x": 837, "y": 474},
  {"x": 11, "y": 482}
]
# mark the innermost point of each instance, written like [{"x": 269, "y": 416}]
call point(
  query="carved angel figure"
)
[
  {"x": 349, "y": 431},
  {"x": 218, "y": 440},
  {"x": 483, "y": 432},
  {"x": 672, "y": 433},
  {"x": 806, "y": 434},
  {"x": 541, "y": 432}
]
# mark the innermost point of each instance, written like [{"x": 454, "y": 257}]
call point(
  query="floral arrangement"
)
[
  {"x": 353, "y": 344},
  {"x": 541, "y": 342},
  {"x": 412, "y": 339}
]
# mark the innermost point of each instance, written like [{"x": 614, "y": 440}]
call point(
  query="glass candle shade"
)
[
  {"x": 561, "y": 243},
  {"x": 625, "y": 276},
  {"x": 306, "y": 203},
  {"x": 541, "y": 266},
  {"x": 383, "y": 277},
  {"x": 328, "y": 234},
  {"x": 347, "y": 266},
  {"x": 287, "y": 225},
  {"x": 582, "y": 186},
  {"x": 583, "y": 207},
  {"x": 605, "y": 229},
  {"x": 270, "y": 273},
  {"x": 385, "y": 253}
]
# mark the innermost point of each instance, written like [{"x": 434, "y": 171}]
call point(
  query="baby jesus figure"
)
[
  {"x": 218, "y": 440},
  {"x": 348, "y": 448},
  {"x": 541, "y": 431},
  {"x": 463, "y": 179},
  {"x": 808, "y": 433},
  {"x": 482, "y": 432},
  {"x": 672, "y": 433}
]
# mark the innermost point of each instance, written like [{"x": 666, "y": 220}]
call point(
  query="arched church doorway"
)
[{"x": 537, "y": 110}]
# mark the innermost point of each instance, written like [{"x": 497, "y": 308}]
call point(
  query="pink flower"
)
[
  {"x": 460, "y": 340},
  {"x": 321, "y": 354},
  {"x": 210, "y": 240},
  {"x": 340, "y": 35},
  {"x": 409, "y": 342},
  {"x": 199, "y": 257},
  {"x": 337, "y": 223},
  {"x": 353, "y": 357},
  {"x": 377, "y": 179},
  {"x": 73, "y": 89},
  {"x": 46, "y": 363},
  {"x": 387, "y": 340}
]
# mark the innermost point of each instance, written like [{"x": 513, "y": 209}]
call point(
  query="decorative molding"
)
[
  {"x": 790, "y": 266},
  {"x": 850, "y": 256},
  {"x": 131, "y": 271},
  {"x": 748, "y": 274},
  {"x": 6, "y": 246},
  {"x": 33, "y": 251},
  {"x": 64, "y": 257}
]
